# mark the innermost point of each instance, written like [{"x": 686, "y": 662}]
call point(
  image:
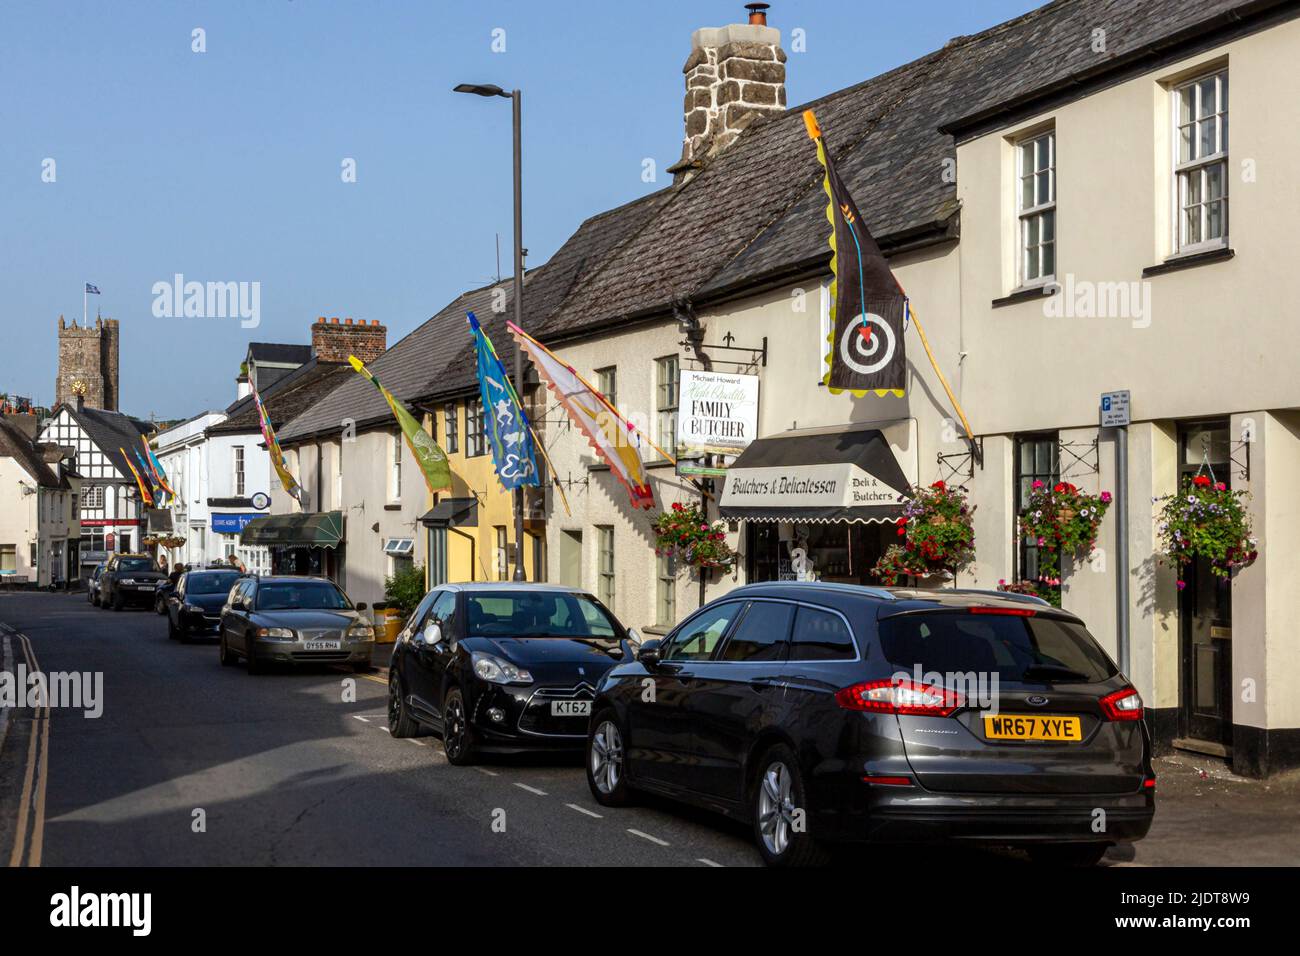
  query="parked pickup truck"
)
[{"x": 129, "y": 579}]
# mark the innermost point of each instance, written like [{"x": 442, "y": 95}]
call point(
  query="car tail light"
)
[
  {"x": 1124, "y": 704},
  {"x": 1149, "y": 783},
  {"x": 900, "y": 696},
  {"x": 1008, "y": 611},
  {"x": 879, "y": 781}
]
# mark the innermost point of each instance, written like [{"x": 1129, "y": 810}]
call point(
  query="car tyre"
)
[
  {"x": 118, "y": 602},
  {"x": 228, "y": 657},
  {"x": 1068, "y": 854},
  {"x": 400, "y": 721},
  {"x": 607, "y": 762},
  {"x": 776, "y": 795},
  {"x": 457, "y": 735},
  {"x": 171, "y": 629}
]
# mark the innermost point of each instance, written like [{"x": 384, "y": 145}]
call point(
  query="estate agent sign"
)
[{"x": 718, "y": 412}]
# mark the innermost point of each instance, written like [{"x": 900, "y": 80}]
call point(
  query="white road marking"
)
[
  {"x": 490, "y": 773},
  {"x": 707, "y": 862},
  {"x": 574, "y": 806},
  {"x": 646, "y": 836},
  {"x": 364, "y": 720},
  {"x": 524, "y": 786},
  {"x": 418, "y": 743},
  {"x": 384, "y": 729}
]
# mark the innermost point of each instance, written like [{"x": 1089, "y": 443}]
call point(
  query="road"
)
[
  {"x": 287, "y": 768},
  {"x": 287, "y": 772}
]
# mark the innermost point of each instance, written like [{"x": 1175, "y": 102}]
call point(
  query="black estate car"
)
[
  {"x": 502, "y": 667},
  {"x": 827, "y": 713},
  {"x": 129, "y": 579},
  {"x": 195, "y": 603}
]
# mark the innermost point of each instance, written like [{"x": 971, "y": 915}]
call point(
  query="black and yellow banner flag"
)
[{"x": 868, "y": 307}]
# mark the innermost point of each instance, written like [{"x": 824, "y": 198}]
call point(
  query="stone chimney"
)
[
  {"x": 734, "y": 75},
  {"x": 334, "y": 341}
]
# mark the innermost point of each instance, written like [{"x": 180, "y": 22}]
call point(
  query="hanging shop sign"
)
[{"x": 717, "y": 412}]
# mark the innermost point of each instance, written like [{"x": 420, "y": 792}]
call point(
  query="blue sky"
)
[{"x": 226, "y": 165}]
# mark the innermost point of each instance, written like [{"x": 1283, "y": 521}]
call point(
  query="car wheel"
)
[
  {"x": 400, "y": 721},
  {"x": 118, "y": 602},
  {"x": 780, "y": 812},
  {"x": 228, "y": 659},
  {"x": 171, "y": 629},
  {"x": 457, "y": 734},
  {"x": 251, "y": 662},
  {"x": 1068, "y": 854},
  {"x": 182, "y": 632},
  {"x": 606, "y": 762}
]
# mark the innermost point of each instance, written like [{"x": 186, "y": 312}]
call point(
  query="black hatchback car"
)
[
  {"x": 829, "y": 713},
  {"x": 502, "y": 667},
  {"x": 196, "y": 603}
]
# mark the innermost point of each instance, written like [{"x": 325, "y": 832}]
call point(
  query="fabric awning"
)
[
  {"x": 452, "y": 513},
  {"x": 317, "y": 530},
  {"x": 823, "y": 475}
]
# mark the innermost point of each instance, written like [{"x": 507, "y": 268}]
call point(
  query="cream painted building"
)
[{"x": 1102, "y": 179}]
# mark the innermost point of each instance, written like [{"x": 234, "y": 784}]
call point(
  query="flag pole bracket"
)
[
  {"x": 757, "y": 354},
  {"x": 961, "y": 464},
  {"x": 1078, "y": 458}
]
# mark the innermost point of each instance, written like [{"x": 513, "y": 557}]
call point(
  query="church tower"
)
[{"x": 88, "y": 364}]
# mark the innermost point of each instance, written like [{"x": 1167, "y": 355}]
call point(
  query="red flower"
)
[
  {"x": 939, "y": 486},
  {"x": 1200, "y": 481}
]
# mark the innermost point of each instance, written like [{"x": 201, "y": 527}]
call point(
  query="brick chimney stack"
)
[
  {"x": 734, "y": 75},
  {"x": 334, "y": 341}
]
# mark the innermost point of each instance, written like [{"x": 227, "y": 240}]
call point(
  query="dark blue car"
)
[{"x": 195, "y": 605}]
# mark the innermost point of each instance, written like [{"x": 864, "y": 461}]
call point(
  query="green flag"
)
[{"x": 431, "y": 459}]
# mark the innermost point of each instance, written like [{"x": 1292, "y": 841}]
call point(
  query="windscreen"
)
[
  {"x": 136, "y": 564},
  {"x": 534, "y": 614},
  {"x": 211, "y": 583},
  {"x": 301, "y": 596},
  {"x": 1018, "y": 649}
]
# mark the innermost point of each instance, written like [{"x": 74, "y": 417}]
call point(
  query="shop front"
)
[
  {"x": 307, "y": 544},
  {"x": 820, "y": 504}
]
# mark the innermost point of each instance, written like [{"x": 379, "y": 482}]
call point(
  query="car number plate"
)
[
  {"x": 570, "y": 708},
  {"x": 1033, "y": 727},
  {"x": 323, "y": 645}
]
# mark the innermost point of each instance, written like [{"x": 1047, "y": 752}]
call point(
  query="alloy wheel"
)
[
  {"x": 776, "y": 808},
  {"x": 453, "y": 738},
  {"x": 606, "y": 757},
  {"x": 394, "y": 701}
]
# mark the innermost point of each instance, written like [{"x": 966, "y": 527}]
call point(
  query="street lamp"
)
[{"x": 488, "y": 89}]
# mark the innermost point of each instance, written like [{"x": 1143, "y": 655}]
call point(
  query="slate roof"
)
[
  {"x": 111, "y": 432},
  {"x": 15, "y": 444},
  {"x": 285, "y": 399},
  {"x": 279, "y": 352},
  {"x": 436, "y": 361},
  {"x": 755, "y": 214}
]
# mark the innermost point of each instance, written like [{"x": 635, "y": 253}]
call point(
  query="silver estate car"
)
[{"x": 293, "y": 620}]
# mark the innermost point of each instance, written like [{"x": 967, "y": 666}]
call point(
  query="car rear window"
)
[
  {"x": 820, "y": 636},
  {"x": 211, "y": 583},
  {"x": 1018, "y": 649},
  {"x": 302, "y": 596}
]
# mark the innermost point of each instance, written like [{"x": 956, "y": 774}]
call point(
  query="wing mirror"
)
[
  {"x": 432, "y": 635},
  {"x": 360, "y": 605},
  {"x": 648, "y": 653}
]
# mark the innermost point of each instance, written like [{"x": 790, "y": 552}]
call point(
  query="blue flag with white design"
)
[
  {"x": 508, "y": 431},
  {"x": 92, "y": 289}
]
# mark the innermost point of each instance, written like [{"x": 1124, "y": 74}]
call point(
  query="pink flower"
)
[
  {"x": 1105, "y": 497},
  {"x": 1037, "y": 484},
  {"x": 1220, "y": 486},
  {"x": 1181, "y": 585}
]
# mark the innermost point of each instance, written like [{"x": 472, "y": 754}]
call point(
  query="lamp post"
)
[{"x": 480, "y": 89}]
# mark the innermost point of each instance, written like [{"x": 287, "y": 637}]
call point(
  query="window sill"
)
[
  {"x": 1189, "y": 261},
  {"x": 1028, "y": 294}
]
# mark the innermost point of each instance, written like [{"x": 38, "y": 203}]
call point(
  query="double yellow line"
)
[{"x": 31, "y": 806}]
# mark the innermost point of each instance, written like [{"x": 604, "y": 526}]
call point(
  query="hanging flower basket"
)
[
  {"x": 1206, "y": 520},
  {"x": 683, "y": 533},
  {"x": 938, "y": 539},
  {"x": 149, "y": 540},
  {"x": 1062, "y": 521}
]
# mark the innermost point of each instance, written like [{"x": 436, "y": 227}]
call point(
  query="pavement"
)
[{"x": 196, "y": 764}]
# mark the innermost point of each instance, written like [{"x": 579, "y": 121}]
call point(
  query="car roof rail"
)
[
  {"x": 865, "y": 590},
  {"x": 1008, "y": 595}
]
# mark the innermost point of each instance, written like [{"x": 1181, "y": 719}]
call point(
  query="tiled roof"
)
[
  {"x": 436, "y": 360},
  {"x": 111, "y": 432},
  {"x": 285, "y": 399},
  {"x": 15, "y": 444}
]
